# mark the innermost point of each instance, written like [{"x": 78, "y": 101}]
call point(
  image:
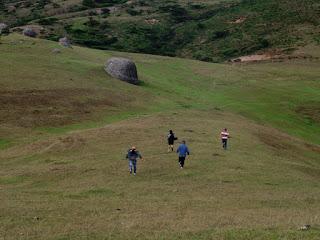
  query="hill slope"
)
[
  {"x": 204, "y": 30},
  {"x": 282, "y": 94},
  {"x": 65, "y": 126}
]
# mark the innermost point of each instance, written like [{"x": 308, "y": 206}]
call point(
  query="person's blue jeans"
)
[{"x": 133, "y": 164}]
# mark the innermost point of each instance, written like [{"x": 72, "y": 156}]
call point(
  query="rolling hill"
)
[
  {"x": 65, "y": 127},
  {"x": 212, "y": 31}
]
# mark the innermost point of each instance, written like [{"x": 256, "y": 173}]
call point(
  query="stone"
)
[
  {"x": 113, "y": 9},
  {"x": 11, "y": 9},
  {"x": 65, "y": 42},
  {"x": 305, "y": 227},
  {"x": 29, "y": 32},
  {"x": 56, "y": 51},
  {"x": 3, "y": 28},
  {"x": 123, "y": 69}
]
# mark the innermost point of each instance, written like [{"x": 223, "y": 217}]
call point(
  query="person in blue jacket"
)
[
  {"x": 183, "y": 151},
  {"x": 132, "y": 156}
]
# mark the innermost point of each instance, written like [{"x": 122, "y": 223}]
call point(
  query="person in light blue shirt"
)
[{"x": 183, "y": 151}]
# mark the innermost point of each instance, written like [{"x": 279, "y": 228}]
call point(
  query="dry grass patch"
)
[{"x": 57, "y": 107}]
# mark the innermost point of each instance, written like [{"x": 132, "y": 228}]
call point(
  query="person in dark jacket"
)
[
  {"x": 171, "y": 139},
  {"x": 183, "y": 152},
  {"x": 132, "y": 156}
]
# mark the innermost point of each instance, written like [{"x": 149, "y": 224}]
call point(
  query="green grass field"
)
[{"x": 66, "y": 125}]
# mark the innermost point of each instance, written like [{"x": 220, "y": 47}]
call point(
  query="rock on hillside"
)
[
  {"x": 29, "y": 32},
  {"x": 56, "y": 51},
  {"x": 65, "y": 42},
  {"x": 123, "y": 69},
  {"x": 3, "y": 27}
]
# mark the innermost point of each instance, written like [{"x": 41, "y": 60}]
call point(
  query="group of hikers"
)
[{"x": 133, "y": 154}]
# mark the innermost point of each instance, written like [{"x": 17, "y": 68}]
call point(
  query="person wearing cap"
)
[
  {"x": 224, "y": 138},
  {"x": 183, "y": 151},
  {"x": 132, "y": 156}
]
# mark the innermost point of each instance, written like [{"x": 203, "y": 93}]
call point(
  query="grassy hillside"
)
[
  {"x": 212, "y": 31},
  {"x": 65, "y": 127},
  {"x": 284, "y": 95}
]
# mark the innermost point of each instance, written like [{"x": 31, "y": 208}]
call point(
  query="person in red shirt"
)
[{"x": 224, "y": 138}]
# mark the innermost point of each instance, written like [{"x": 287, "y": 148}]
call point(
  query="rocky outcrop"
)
[
  {"x": 29, "y": 32},
  {"x": 3, "y": 28},
  {"x": 123, "y": 69},
  {"x": 65, "y": 42}
]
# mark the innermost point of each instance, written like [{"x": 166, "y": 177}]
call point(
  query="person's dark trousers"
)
[
  {"x": 224, "y": 143},
  {"x": 133, "y": 164},
  {"x": 181, "y": 161}
]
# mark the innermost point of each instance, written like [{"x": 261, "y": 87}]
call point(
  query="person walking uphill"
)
[
  {"x": 171, "y": 139},
  {"x": 132, "y": 156},
  {"x": 183, "y": 152},
  {"x": 224, "y": 138}
]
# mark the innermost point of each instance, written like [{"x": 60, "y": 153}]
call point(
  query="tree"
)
[
  {"x": 2, "y": 6},
  {"x": 88, "y": 3}
]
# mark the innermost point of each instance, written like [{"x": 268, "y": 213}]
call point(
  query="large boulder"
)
[
  {"x": 29, "y": 32},
  {"x": 65, "y": 42},
  {"x": 123, "y": 69},
  {"x": 3, "y": 28}
]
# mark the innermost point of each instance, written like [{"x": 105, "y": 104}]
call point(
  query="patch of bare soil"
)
[
  {"x": 152, "y": 21},
  {"x": 310, "y": 111},
  {"x": 282, "y": 142},
  {"x": 253, "y": 58},
  {"x": 268, "y": 56},
  {"x": 314, "y": 148},
  {"x": 309, "y": 170},
  {"x": 275, "y": 141},
  {"x": 53, "y": 145},
  {"x": 238, "y": 20},
  {"x": 36, "y": 108}
]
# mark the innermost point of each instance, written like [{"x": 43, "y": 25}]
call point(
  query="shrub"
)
[
  {"x": 219, "y": 34},
  {"x": 88, "y": 3},
  {"x": 56, "y": 5},
  {"x": 47, "y": 21},
  {"x": 92, "y": 22},
  {"x": 133, "y": 12},
  {"x": 177, "y": 13}
]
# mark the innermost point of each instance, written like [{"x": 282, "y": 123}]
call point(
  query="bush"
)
[
  {"x": 53, "y": 37},
  {"x": 2, "y": 6},
  {"x": 88, "y": 3},
  {"x": 133, "y": 12},
  {"x": 219, "y": 34},
  {"x": 56, "y": 5},
  {"x": 105, "y": 10},
  {"x": 147, "y": 39},
  {"x": 47, "y": 21},
  {"x": 177, "y": 13},
  {"x": 92, "y": 22},
  {"x": 202, "y": 56},
  {"x": 42, "y": 3}
]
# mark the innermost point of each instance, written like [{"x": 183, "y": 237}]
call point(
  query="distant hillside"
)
[{"x": 204, "y": 30}]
